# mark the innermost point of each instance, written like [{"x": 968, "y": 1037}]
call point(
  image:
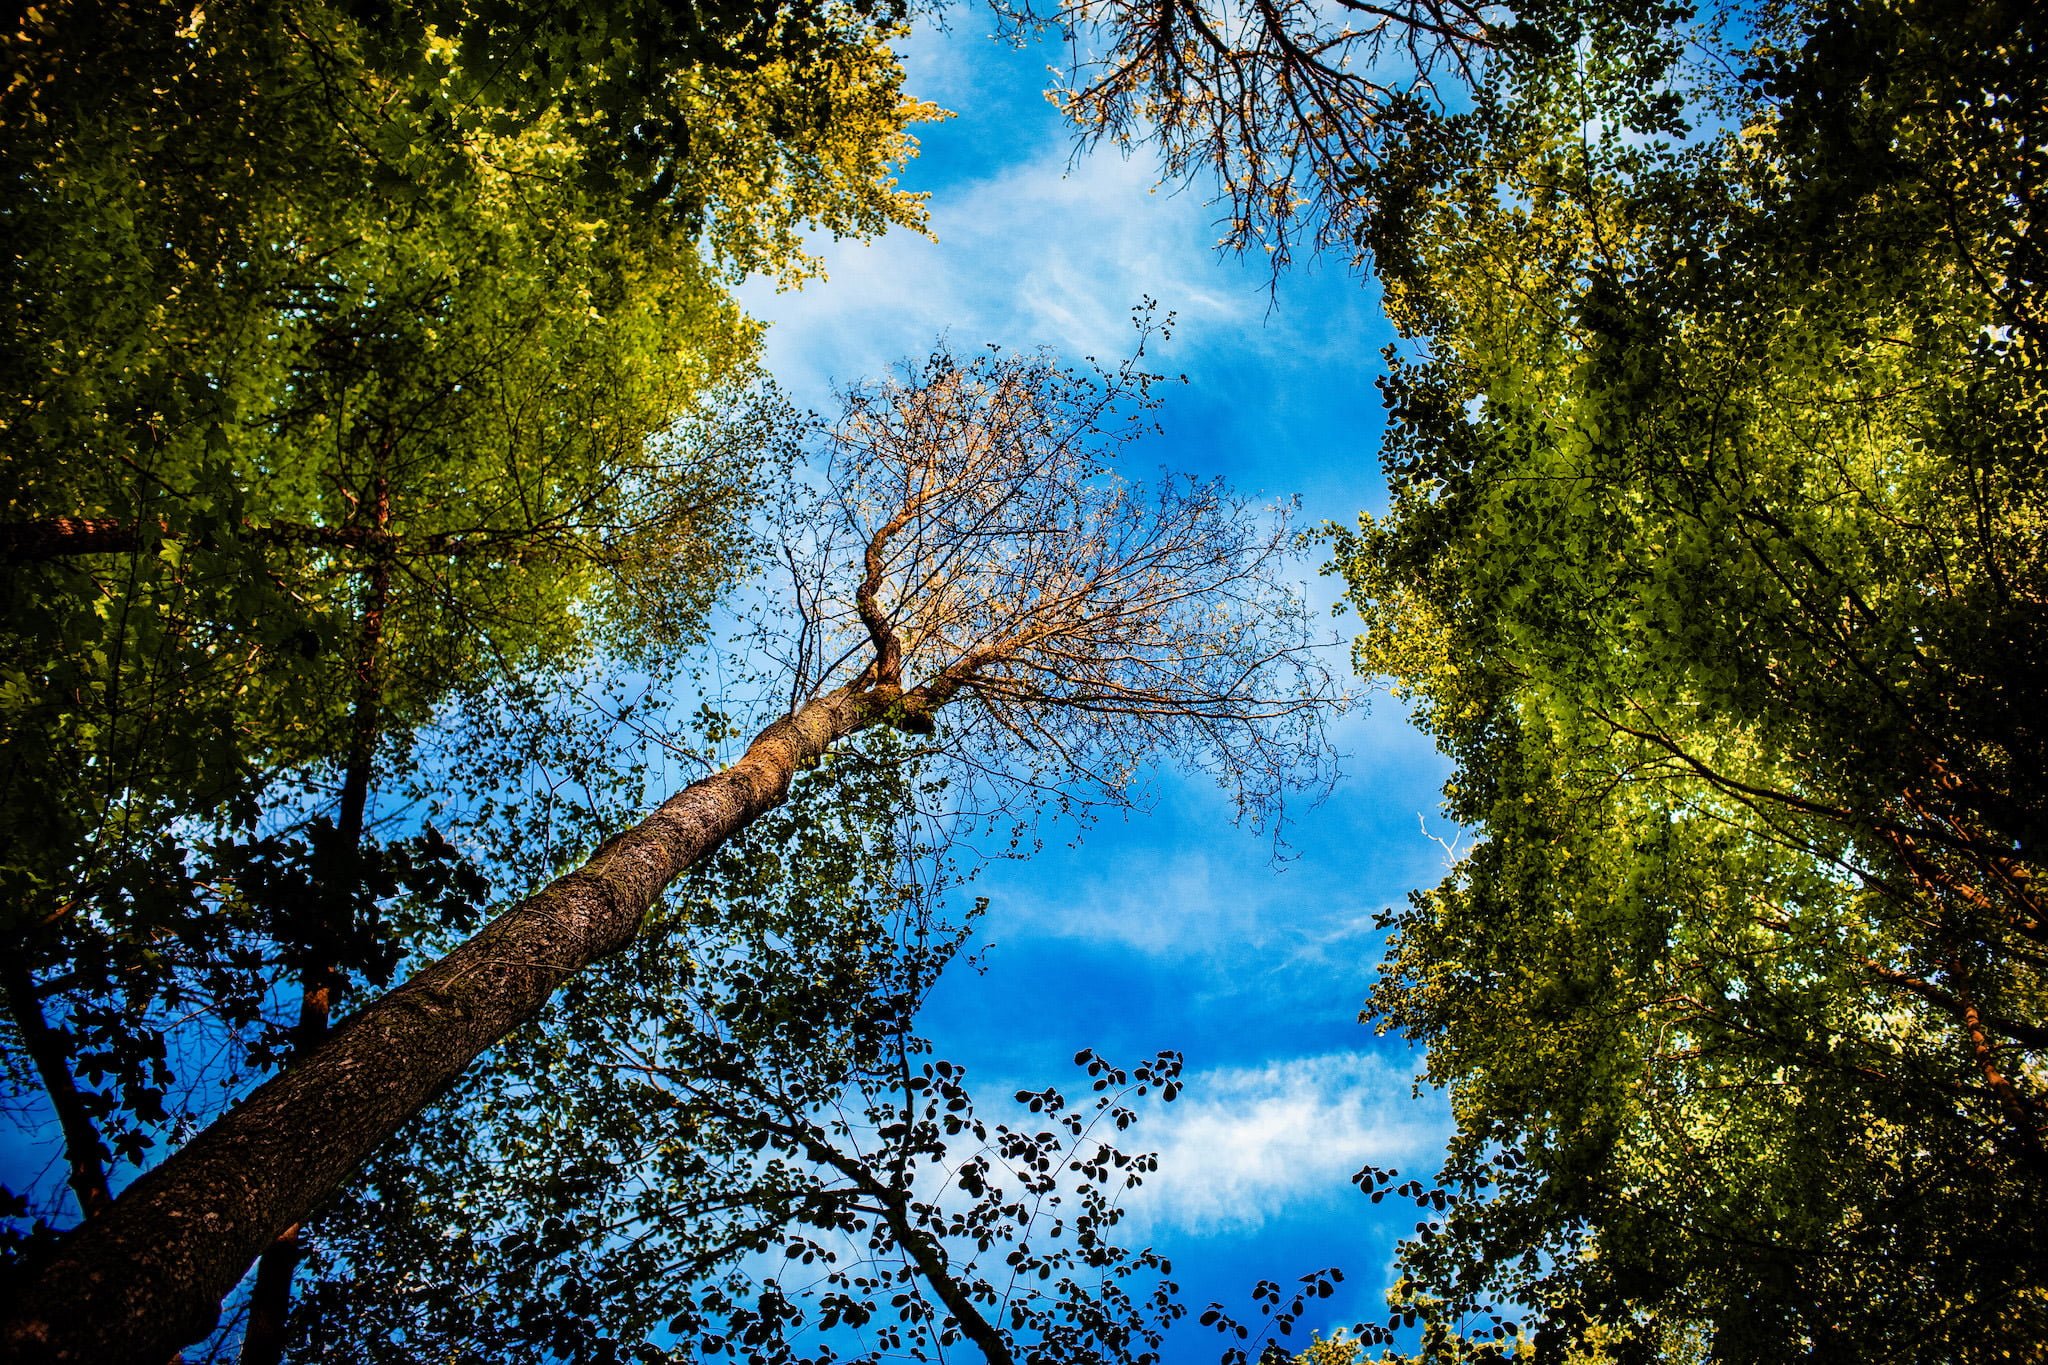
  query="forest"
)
[{"x": 529, "y": 791}]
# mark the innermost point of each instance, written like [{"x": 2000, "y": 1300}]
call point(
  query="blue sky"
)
[
  {"x": 1169, "y": 927},
  {"x": 1166, "y": 927}
]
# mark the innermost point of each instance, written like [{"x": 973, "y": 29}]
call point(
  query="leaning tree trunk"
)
[{"x": 148, "y": 1275}]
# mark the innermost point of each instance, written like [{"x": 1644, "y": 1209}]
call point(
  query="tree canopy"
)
[
  {"x": 373, "y": 385},
  {"x": 1714, "y": 562},
  {"x": 272, "y": 269},
  {"x": 358, "y": 359}
]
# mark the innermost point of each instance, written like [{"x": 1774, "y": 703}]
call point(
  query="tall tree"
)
[
  {"x": 320, "y": 318},
  {"x": 344, "y": 351},
  {"x": 728, "y": 1140},
  {"x": 972, "y": 550},
  {"x": 256, "y": 257},
  {"x": 1714, "y": 561},
  {"x": 254, "y": 254}
]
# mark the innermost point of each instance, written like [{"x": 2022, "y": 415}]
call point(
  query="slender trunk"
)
[
  {"x": 930, "y": 1257},
  {"x": 2025, "y": 1034},
  {"x": 148, "y": 1275},
  {"x": 46, "y": 1048},
  {"x": 925, "y": 1250},
  {"x": 270, "y": 1300},
  {"x": 37, "y": 542},
  {"x": 2018, "y": 1114},
  {"x": 31, "y": 542}
]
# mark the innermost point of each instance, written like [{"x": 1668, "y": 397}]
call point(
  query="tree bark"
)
[
  {"x": 2019, "y": 1114},
  {"x": 31, "y": 542},
  {"x": 38, "y": 542},
  {"x": 147, "y": 1275},
  {"x": 270, "y": 1301}
]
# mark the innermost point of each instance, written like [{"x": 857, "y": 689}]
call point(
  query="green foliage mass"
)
[
  {"x": 264, "y": 262},
  {"x": 364, "y": 338},
  {"x": 1715, "y": 563}
]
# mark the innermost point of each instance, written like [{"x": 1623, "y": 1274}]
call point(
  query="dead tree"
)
[
  {"x": 1310, "y": 115},
  {"x": 971, "y": 553}
]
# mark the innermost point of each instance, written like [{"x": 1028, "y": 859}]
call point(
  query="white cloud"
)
[
  {"x": 1039, "y": 254},
  {"x": 1035, "y": 248},
  {"x": 1243, "y": 1146},
  {"x": 1039, "y": 247},
  {"x": 1178, "y": 883}
]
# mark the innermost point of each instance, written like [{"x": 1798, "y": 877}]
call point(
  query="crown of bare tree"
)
[{"x": 1299, "y": 110}]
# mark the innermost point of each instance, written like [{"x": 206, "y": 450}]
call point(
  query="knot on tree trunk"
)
[{"x": 912, "y": 713}]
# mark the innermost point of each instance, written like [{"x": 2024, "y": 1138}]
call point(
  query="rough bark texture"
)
[
  {"x": 30, "y": 542},
  {"x": 148, "y": 1274}
]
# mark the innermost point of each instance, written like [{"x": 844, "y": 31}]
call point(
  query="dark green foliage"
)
[
  {"x": 1715, "y": 562},
  {"x": 344, "y": 358}
]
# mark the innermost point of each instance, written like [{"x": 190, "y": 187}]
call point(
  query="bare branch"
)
[
  {"x": 1076, "y": 624},
  {"x": 1287, "y": 103}
]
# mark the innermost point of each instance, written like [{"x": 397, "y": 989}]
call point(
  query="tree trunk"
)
[
  {"x": 148, "y": 1274},
  {"x": 31, "y": 542},
  {"x": 38, "y": 542},
  {"x": 270, "y": 1301}
]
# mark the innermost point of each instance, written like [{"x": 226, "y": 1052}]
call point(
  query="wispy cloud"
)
[
  {"x": 1245, "y": 1145},
  {"x": 1036, "y": 246},
  {"x": 1039, "y": 254},
  {"x": 1179, "y": 883}
]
